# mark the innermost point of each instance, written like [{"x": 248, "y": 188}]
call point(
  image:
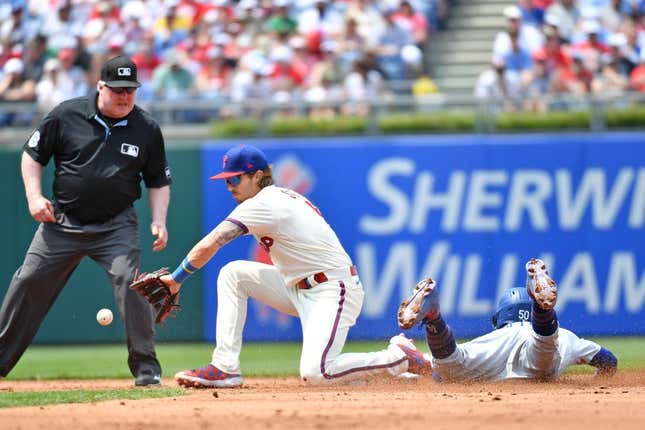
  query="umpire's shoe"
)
[
  {"x": 147, "y": 378},
  {"x": 208, "y": 376},
  {"x": 422, "y": 305},
  {"x": 542, "y": 289}
]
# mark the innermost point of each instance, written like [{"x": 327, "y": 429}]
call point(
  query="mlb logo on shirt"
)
[
  {"x": 124, "y": 71},
  {"x": 131, "y": 150}
]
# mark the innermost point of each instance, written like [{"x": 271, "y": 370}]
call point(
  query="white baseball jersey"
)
[
  {"x": 515, "y": 351},
  {"x": 293, "y": 231},
  {"x": 301, "y": 244}
]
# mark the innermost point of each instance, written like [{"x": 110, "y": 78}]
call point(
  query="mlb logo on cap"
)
[
  {"x": 119, "y": 72},
  {"x": 242, "y": 159}
]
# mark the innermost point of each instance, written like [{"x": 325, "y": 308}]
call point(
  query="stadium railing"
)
[{"x": 195, "y": 117}]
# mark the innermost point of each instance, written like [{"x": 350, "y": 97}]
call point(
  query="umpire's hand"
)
[
  {"x": 159, "y": 231},
  {"x": 41, "y": 209}
]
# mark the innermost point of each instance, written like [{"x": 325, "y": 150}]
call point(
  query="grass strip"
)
[
  {"x": 40, "y": 398},
  {"x": 257, "y": 359}
]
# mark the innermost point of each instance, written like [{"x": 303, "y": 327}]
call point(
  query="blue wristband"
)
[{"x": 183, "y": 271}]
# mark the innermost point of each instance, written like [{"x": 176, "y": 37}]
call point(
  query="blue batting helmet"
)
[{"x": 514, "y": 305}]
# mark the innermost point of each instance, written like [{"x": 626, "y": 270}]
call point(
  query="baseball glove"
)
[{"x": 157, "y": 293}]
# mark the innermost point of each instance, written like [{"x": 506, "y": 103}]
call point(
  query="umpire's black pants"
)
[{"x": 54, "y": 253}]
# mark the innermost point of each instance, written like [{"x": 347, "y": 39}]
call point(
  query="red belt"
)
[{"x": 319, "y": 278}]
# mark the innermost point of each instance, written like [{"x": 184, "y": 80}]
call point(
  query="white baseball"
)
[{"x": 104, "y": 317}]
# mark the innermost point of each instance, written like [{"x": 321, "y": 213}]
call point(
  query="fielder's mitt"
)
[{"x": 157, "y": 293}]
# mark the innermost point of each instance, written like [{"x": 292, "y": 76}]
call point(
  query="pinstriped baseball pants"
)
[{"x": 326, "y": 312}]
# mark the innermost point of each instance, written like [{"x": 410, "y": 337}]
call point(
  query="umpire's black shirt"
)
[{"x": 99, "y": 167}]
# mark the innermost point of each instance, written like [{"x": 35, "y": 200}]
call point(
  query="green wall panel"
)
[{"x": 72, "y": 318}]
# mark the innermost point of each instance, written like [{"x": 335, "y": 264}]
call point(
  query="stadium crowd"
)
[
  {"x": 337, "y": 51},
  {"x": 221, "y": 50},
  {"x": 566, "y": 47}
]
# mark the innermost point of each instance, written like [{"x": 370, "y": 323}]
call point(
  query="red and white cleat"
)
[
  {"x": 418, "y": 362},
  {"x": 208, "y": 376}
]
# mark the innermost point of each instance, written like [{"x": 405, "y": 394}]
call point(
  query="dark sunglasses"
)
[
  {"x": 121, "y": 90},
  {"x": 234, "y": 181}
]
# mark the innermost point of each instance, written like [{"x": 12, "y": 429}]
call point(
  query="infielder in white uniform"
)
[
  {"x": 312, "y": 278},
  {"x": 526, "y": 342}
]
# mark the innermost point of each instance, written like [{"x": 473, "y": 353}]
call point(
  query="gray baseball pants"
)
[{"x": 54, "y": 253}]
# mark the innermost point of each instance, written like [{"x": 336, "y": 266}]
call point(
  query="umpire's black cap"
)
[{"x": 120, "y": 72}]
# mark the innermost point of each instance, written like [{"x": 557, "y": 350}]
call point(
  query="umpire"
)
[{"x": 103, "y": 145}]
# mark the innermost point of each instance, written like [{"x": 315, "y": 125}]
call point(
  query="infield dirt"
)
[{"x": 573, "y": 402}]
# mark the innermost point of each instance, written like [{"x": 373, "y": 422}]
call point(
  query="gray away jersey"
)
[{"x": 515, "y": 351}]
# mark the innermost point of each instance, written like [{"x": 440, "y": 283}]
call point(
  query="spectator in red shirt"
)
[
  {"x": 115, "y": 45},
  {"x": 592, "y": 48},
  {"x": 105, "y": 9},
  {"x": 637, "y": 78},
  {"x": 574, "y": 80},
  {"x": 555, "y": 56},
  {"x": 213, "y": 78},
  {"x": 199, "y": 42},
  {"x": 303, "y": 60},
  {"x": 582, "y": 74},
  {"x": 414, "y": 22},
  {"x": 284, "y": 75},
  {"x": 146, "y": 60}
]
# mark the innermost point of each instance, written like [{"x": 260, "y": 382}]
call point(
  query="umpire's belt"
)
[{"x": 330, "y": 275}]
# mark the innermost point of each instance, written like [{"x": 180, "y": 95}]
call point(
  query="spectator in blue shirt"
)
[{"x": 518, "y": 59}]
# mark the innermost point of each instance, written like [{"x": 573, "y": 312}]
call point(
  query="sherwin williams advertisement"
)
[{"x": 467, "y": 211}]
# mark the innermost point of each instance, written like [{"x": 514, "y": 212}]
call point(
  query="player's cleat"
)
[
  {"x": 208, "y": 376},
  {"x": 147, "y": 378},
  {"x": 418, "y": 362},
  {"x": 423, "y": 304},
  {"x": 542, "y": 289}
]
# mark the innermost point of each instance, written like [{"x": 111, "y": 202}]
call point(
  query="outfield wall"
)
[
  {"x": 72, "y": 318},
  {"x": 466, "y": 210}
]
